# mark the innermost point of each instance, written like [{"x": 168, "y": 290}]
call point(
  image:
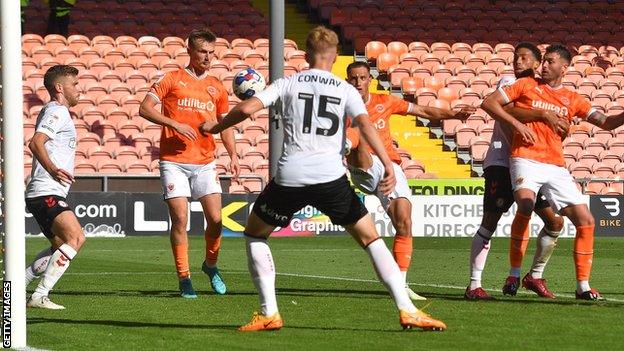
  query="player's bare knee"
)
[
  {"x": 555, "y": 224},
  {"x": 403, "y": 226}
]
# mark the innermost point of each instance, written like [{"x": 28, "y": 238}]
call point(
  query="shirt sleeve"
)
[
  {"x": 223, "y": 104},
  {"x": 399, "y": 106},
  {"x": 505, "y": 81},
  {"x": 162, "y": 87},
  {"x": 514, "y": 91},
  {"x": 582, "y": 107},
  {"x": 272, "y": 93},
  {"x": 53, "y": 122},
  {"x": 354, "y": 105}
]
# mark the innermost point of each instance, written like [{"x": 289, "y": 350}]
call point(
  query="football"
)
[{"x": 247, "y": 83}]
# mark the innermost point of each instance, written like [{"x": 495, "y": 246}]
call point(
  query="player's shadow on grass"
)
[
  {"x": 130, "y": 324},
  {"x": 137, "y": 324},
  {"x": 316, "y": 292},
  {"x": 527, "y": 299}
]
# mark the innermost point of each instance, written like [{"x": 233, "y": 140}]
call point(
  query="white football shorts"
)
[
  {"x": 189, "y": 180},
  {"x": 368, "y": 182},
  {"x": 556, "y": 183}
]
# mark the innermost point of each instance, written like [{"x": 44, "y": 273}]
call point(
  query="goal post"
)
[{"x": 13, "y": 204}]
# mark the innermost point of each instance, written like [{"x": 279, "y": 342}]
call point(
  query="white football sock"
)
[
  {"x": 59, "y": 262},
  {"x": 478, "y": 255},
  {"x": 262, "y": 269},
  {"x": 582, "y": 286},
  {"x": 546, "y": 242},
  {"x": 38, "y": 266},
  {"x": 404, "y": 274},
  {"x": 389, "y": 273}
]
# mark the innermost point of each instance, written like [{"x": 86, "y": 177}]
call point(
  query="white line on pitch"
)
[{"x": 312, "y": 276}]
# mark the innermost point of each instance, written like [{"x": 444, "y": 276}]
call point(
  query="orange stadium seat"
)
[
  {"x": 463, "y": 134},
  {"x": 373, "y": 49},
  {"x": 138, "y": 167},
  {"x": 397, "y": 48},
  {"x": 386, "y": 60},
  {"x": 425, "y": 95},
  {"x": 85, "y": 167}
]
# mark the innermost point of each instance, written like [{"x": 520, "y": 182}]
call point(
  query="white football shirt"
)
[
  {"x": 55, "y": 122},
  {"x": 315, "y": 105},
  {"x": 500, "y": 150}
]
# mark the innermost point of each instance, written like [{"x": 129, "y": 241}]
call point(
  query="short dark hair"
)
[
  {"x": 532, "y": 47},
  {"x": 560, "y": 49},
  {"x": 197, "y": 35},
  {"x": 358, "y": 64},
  {"x": 54, "y": 73}
]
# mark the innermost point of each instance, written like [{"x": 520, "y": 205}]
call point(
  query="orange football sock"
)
[
  {"x": 583, "y": 251},
  {"x": 212, "y": 249},
  {"x": 519, "y": 239},
  {"x": 402, "y": 251},
  {"x": 180, "y": 256}
]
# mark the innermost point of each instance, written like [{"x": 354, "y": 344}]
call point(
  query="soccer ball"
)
[{"x": 247, "y": 83}]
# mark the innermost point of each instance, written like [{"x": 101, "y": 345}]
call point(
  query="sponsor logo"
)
[
  {"x": 612, "y": 205},
  {"x": 379, "y": 107},
  {"x": 564, "y": 100},
  {"x": 50, "y": 202},
  {"x": 380, "y": 124},
  {"x": 195, "y": 104},
  {"x": 519, "y": 181},
  {"x": 212, "y": 90},
  {"x": 182, "y": 83},
  {"x": 96, "y": 211},
  {"x": 272, "y": 213},
  {"x": 538, "y": 104},
  {"x": 62, "y": 203}
]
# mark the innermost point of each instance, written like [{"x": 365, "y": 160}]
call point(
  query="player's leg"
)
[
  {"x": 583, "y": 220},
  {"x": 274, "y": 207},
  {"x": 176, "y": 190},
  {"x": 66, "y": 227},
  {"x": 567, "y": 199},
  {"x": 497, "y": 199},
  {"x": 546, "y": 242},
  {"x": 527, "y": 178},
  {"x": 338, "y": 201},
  {"x": 206, "y": 187},
  {"x": 40, "y": 263}
]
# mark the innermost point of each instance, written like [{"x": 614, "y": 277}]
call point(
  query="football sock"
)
[
  {"x": 478, "y": 255},
  {"x": 38, "y": 266},
  {"x": 59, "y": 262},
  {"x": 402, "y": 251},
  {"x": 180, "y": 256},
  {"x": 584, "y": 253},
  {"x": 546, "y": 242},
  {"x": 212, "y": 249},
  {"x": 389, "y": 273},
  {"x": 262, "y": 269},
  {"x": 518, "y": 243}
]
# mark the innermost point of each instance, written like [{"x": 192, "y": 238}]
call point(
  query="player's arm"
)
[
  {"x": 148, "y": 111},
  {"x": 239, "y": 113},
  {"x": 438, "y": 114},
  {"x": 37, "y": 147},
  {"x": 370, "y": 136},
  {"x": 493, "y": 105},
  {"x": 559, "y": 124},
  {"x": 607, "y": 122},
  {"x": 227, "y": 136}
]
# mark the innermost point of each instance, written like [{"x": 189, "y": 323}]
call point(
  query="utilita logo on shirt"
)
[
  {"x": 562, "y": 111},
  {"x": 195, "y": 104}
]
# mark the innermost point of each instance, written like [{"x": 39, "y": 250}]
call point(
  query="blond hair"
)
[{"x": 320, "y": 39}]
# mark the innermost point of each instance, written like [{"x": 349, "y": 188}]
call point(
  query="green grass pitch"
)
[{"x": 121, "y": 294}]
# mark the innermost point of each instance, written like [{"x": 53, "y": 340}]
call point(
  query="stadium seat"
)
[
  {"x": 386, "y": 60},
  {"x": 579, "y": 170},
  {"x": 85, "y": 167},
  {"x": 478, "y": 148},
  {"x": 593, "y": 145},
  {"x": 602, "y": 170},
  {"x": 463, "y": 134},
  {"x": 138, "y": 167},
  {"x": 373, "y": 49},
  {"x": 111, "y": 166}
]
